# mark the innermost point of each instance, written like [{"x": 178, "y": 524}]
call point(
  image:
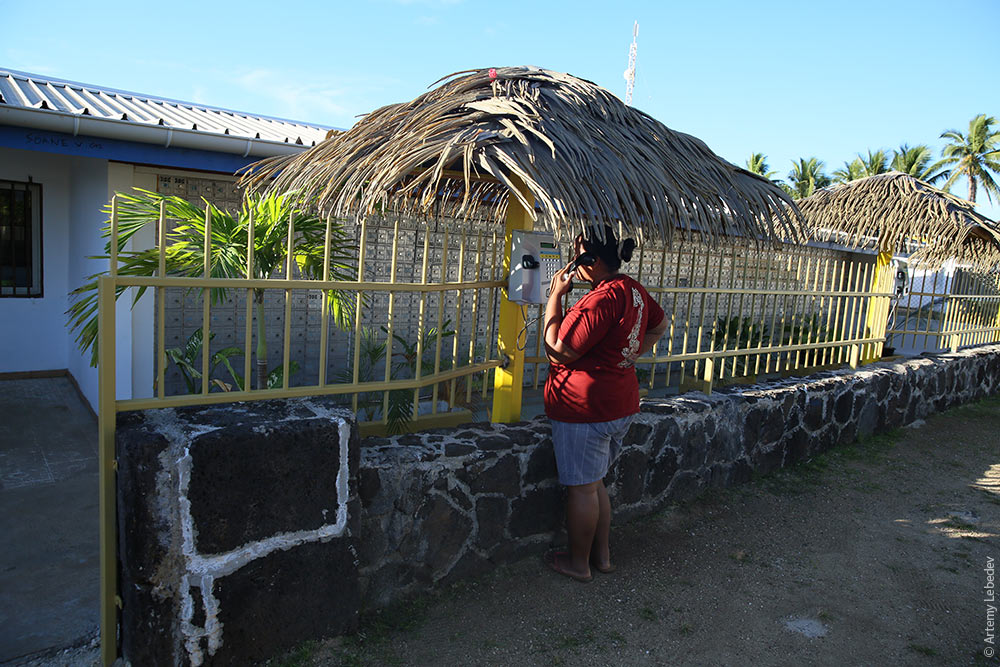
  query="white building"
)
[{"x": 65, "y": 149}]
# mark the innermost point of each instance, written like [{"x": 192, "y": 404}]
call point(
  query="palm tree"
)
[
  {"x": 806, "y": 176},
  {"x": 915, "y": 161},
  {"x": 184, "y": 252},
  {"x": 757, "y": 163},
  {"x": 852, "y": 171},
  {"x": 875, "y": 163},
  {"x": 974, "y": 156}
]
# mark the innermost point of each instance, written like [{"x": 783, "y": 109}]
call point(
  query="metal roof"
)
[{"x": 54, "y": 96}]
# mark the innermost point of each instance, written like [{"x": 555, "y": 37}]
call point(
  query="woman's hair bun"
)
[{"x": 628, "y": 245}]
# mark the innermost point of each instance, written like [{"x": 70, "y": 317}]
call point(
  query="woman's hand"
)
[{"x": 560, "y": 283}]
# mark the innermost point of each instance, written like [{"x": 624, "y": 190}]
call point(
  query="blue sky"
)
[{"x": 789, "y": 79}]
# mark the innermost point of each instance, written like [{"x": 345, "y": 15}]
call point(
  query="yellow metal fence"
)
[
  {"x": 741, "y": 312},
  {"x": 945, "y": 310}
]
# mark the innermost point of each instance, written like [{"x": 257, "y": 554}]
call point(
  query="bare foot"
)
[{"x": 559, "y": 561}]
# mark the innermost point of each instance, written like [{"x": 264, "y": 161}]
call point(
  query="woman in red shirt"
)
[{"x": 592, "y": 393}]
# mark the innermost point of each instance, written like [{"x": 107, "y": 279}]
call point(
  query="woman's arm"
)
[
  {"x": 555, "y": 349},
  {"x": 651, "y": 336}
]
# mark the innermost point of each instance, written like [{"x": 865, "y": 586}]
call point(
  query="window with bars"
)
[{"x": 20, "y": 239}]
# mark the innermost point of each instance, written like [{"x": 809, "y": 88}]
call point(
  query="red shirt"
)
[{"x": 606, "y": 328}]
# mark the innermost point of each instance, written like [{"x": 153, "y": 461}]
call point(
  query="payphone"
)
[{"x": 534, "y": 259}]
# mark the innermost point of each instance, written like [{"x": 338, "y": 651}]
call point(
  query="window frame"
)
[{"x": 36, "y": 286}]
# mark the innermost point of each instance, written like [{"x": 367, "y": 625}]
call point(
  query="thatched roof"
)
[
  {"x": 463, "y": 148},
  {"x": 895, "y": 211}
]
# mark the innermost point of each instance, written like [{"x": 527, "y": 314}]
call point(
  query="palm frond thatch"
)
[
  {"x": 893, "y": 211},
  {"x": 582, "y": 156}
]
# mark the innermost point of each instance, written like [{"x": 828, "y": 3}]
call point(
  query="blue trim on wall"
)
[{"x": 122, "y": 151}]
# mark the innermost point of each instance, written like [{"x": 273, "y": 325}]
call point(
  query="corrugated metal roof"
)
[{"x": 32, "y": 91}]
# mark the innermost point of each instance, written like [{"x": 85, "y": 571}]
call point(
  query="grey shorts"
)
[{"x": 584, "y": 452}]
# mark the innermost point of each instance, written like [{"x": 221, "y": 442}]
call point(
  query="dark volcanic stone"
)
[
  {"x": 797, "y": 446},
  {"x": 539, "y": 511},
  {"x": 843, "y": 407},
  {"x": 661, "y": 472},
  {"x": 868, "y": 419},
  {"x": 229, "y": 415},
  {"x": 751, "y": 426},
  {"x": 458, "y": 449},
  {"x": 460, "y": 497},
  {"x": 881, "y": 385},
  {"x": 741, "y": 472},
  {"x": 503, "y": 476},
  {"x": 276, "y": 602},
  {"x": 249, "y": 483},
  {"x": 719, "y": 475},
  {"x": 541, "y": 463},
  {"x": 446, "y": 530},
  {"x": 693, "y": 446},
  {"x": 140, "y": 521},
  {"x": 667, "y": 434},
  {"x": 658, "y": 408},
  {"x": 146, "y": 625},
  {"x": 520, "y": 436},
  {"x": 631, "y": 475},
  {"x": 369, "y": 484},
  {"x": 638, "y": 434},
  {"x": 775, "y": 425},
  {"x": 491, "y": 515},
  {"x": 767, "y": 459},
  {"x": 373, "y": 541},
  {"x": 494, "y": 442},
  {"x": 815, "y": 409}
]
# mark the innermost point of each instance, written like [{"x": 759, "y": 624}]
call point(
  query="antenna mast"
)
[{"x": 630, "y": 70}]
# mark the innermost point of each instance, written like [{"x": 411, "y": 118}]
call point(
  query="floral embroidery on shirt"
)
[{"x": 631, "y": 352}]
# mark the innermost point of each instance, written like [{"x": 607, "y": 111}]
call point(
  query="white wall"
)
[
  {"x": 33, "y": 331},
  {"x": 88, "y": 196},
  {"x": 134, "y": 322}
]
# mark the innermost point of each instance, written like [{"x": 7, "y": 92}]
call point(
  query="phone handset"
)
[
  {"x": 530, "y": 283},
  {"x": 583, "y": 259}
]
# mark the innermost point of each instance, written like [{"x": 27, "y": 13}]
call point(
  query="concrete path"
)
[{"x": 49, "y": 574}]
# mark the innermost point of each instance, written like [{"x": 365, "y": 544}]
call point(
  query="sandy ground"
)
[{"x": 871, "y": 554}]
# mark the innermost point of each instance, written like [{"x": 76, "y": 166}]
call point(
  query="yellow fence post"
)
[
  {"x": 106, "y": 451},
  {"x": 708, "y": 375},
  {"x": 995, "y": 337},
  {"x": 509, "y": 381},
  {"x": 876, "y": 317}
]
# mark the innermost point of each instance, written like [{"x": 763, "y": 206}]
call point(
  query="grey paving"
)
[{"x": 49, "y": 573}]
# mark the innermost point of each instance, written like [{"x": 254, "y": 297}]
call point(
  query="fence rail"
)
[{"x": 941, "y": 310}]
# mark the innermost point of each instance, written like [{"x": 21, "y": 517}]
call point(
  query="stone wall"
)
[
  {"x": 245, "y": 529},
  {"x": 442, "y": 505},
  {"x": 235, "y": 530}
]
